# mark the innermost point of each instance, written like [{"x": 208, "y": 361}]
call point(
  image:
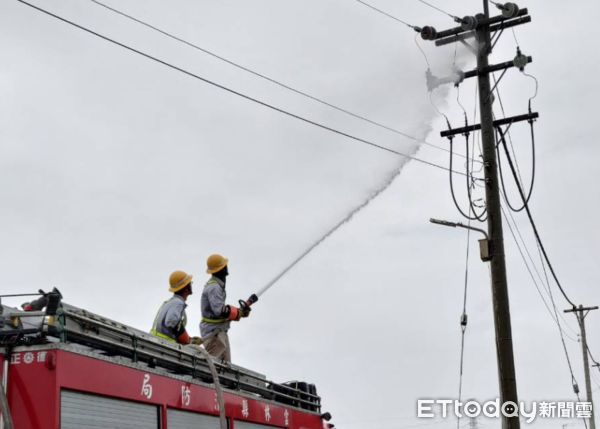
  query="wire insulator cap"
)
[
  {"x": 509, "y": 10},
  {"x": 428, "y": 33},
  {"x": 468, "y": 23},
  {"x": 520, "y": 60}
]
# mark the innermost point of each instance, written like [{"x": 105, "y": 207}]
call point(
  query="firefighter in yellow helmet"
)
[
  {"x": 170, "y": 321},
  {"x": 216, "y": 314}
]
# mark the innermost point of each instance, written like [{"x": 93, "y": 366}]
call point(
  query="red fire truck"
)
[{"x": 64, "y": 367}]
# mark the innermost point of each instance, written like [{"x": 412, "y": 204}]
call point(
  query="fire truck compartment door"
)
[
  {"x": 83, "y": 411},
  {"x": 177, "y": 419}
]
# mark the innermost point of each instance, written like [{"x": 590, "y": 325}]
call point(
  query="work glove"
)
[{"x": 196, "y": 341}]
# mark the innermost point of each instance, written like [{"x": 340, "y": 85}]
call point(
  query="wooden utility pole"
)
[
  {"x": 502, "y": 323},
  {"x": 581, "y": 312},
  {"x": 480, "y": 27}
]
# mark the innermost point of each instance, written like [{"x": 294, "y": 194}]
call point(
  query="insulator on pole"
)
[
  {"x": 428, "y": 33},
  {"x": 520, "y": 60},
  {"x": 468, "y": 23},
  {"x": 509, "y": 10}
]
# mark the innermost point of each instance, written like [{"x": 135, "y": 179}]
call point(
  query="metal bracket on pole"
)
[
  {"x": 471, "y": 34},
  {"x": 458, "y": 76},
  {"x": 580, "y": 309},
  {"x": 484, "y": 244},
  {"x": 494, "y": 68},
  {"x": 479, "y": 23},
  {"x": 497, "y": 123}
]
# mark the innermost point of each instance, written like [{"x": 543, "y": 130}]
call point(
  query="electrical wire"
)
[
  {"x": 564, "y": 345},
  {"x": 515, "y": 37},
  {"x": 530, "y": 192},
  {"x": 519, "y": 183},
  {"x": 232, "y": 91},
  {"x": 454, "y": 17},
  {"x": 414, "y": 27},
  {"x": 438, "y": 110},
  {"x": 592, "y": 357},
  {"x": 265, "y": 77},
  {"x": 428, "y": 68},
  {"x": 457, "y": 85},
  {"x": 536, "y": 88},
  {"x": 422, "y": 51},
  {"x": 549, "y": 289},
  {"x": 430, "y": 90},
  {"x": 460, "y": 103},
  {"x": 477, "y": 134},
  {"x": 539, "y": 291},
  {"x": 463, "y": 322},
  {"x": 469, "y": 174},
  {"x": 469, "y": 177},
  {"x": 530, "y": 121},
  {"x": 537, "y": 235},
  {"x": 553, "y": 313},
  {"x": 460, "y": 210}
]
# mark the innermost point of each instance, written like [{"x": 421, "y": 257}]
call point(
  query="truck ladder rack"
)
[{"x": 75, "y": 325}]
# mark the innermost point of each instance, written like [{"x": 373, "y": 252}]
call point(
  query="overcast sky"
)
[{"x": 116, "y": 170}]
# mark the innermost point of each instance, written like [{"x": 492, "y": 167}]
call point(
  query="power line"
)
[
  {"x": 414, "y": 27},
  {"x": 265, "y": 77},
  {"x": 535, "y": 231},
  {"x": 506, "y": 200},
  {"x": 463, "y": 321},
  {"x": 519, "y": 184},
  {"x": 592, "y": 357},
  {"x": 550, "y": 293},
  {"x": 468, "y": 216},
  {"x": 535, "y": 283},
  {"x": 539, "y": 242},
  {"x": 530, "y": 192},
  {"x": 426, "y": 61},
  {"x": 454, "y": 17},
  {"x": 232, "y": 91},
  {"x": 555, "y": 318},
  {"x": 422, "y": 52}
]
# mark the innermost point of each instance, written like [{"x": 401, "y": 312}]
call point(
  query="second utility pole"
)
[{"x": 581, "y": 313}]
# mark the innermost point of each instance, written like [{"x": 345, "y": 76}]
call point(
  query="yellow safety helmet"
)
[
  {"x": 178, "y": 280},
  {"x": 215, "y": 263}
]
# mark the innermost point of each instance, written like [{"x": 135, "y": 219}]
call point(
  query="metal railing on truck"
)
[{"x": 69, "y": 324}]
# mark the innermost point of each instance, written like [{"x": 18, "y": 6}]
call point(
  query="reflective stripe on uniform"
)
[
  {"x": 158, "y": 325},
  {"x": 161, "y": 335},
  {"x": 213, "y": 321}
]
